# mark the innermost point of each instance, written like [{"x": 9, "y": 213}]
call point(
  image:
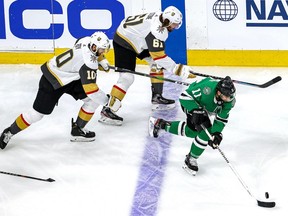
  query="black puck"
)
[{"x": 267, "y": 195}]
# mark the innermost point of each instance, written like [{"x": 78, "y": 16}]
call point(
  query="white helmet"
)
[
  {"x": 100, "y": 40},
  {"x": 173, "y": 15}
]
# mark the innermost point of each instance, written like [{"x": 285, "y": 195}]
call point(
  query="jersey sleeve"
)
[
  {"x": 191, "y": 97},
  {"x": 88, "y": 79},
  {"x": 156, "y": 49},
  {"x": 221, "y": 118}
]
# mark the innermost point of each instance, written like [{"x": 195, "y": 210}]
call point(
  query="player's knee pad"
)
[
  {"x": 32, "y": 116},
  {"x": 125, "y": 81},
  {"x": 89, "y": 105}
]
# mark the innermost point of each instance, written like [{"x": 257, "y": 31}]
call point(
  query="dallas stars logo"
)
[{"x": 206, "y": 90}]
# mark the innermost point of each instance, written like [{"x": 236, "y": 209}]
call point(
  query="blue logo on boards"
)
[
  {"x": 55, "y": 30},
  {"x": 267, "y": 15},
  {"x": 225, "y": 10},
  {"x": 259, "y": 13}
]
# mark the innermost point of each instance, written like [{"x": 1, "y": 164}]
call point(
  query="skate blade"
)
[
  {"x": 108, "y": 121},
  {"x": 189, "y": 171},
  {"x": 81, "y": 139},
  {"x": 159, "y": 107},
  {"x": 152, "y": 121}
]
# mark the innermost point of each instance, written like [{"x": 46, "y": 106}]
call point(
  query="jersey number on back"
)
[
  {"x": 64, "y": 58},
  {"x": 134, "y": 20}
]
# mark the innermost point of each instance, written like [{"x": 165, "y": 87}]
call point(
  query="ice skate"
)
[
  {"x": 80, "y": 134},
  {"x": 161, "y": 103},
  {"x": 190, "y": 165},
  {"x": 5, "y": 137},
  {"x": 155, "y": 125},
  {"x": 109, "y": 117}
]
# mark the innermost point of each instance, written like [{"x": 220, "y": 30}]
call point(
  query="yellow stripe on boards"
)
[
  {"x": 249, "y": 58},
  {"x": 38, "y": 57}
]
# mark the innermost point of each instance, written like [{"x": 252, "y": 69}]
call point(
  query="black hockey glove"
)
[
  {"x": 196, "y": 117},
  {"x": 215, "y": 142}
]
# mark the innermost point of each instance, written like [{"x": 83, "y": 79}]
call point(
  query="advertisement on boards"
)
[
  {"x": 42, "y": 25},
  {"x": 247, "y": 24}
]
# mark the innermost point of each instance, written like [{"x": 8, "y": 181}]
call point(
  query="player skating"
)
[
  {"x": 143, "y": 36},
  {"x": 202, "y": 102},
  {"x": 73, "y": 72}
]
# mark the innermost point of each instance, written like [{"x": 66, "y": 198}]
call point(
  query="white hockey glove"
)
[
  {"x": 104, "y": 65},
  {"x": 183, "y": 71},
  {"x": 114, "y": 103}
]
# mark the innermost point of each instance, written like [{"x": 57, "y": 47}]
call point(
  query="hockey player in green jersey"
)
[{"x": 202, "y": 102}]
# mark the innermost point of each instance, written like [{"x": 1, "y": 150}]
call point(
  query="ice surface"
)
[{"x": 107, "y": 177}]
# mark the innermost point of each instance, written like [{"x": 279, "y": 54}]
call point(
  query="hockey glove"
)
[
  {"x": 103, "y": 63},
  {"x": 196, "y": 118},
  {"x": 113, "y": 103},
  {"x": 215, "y": 142},
  {"x": 183, "y": 71}
]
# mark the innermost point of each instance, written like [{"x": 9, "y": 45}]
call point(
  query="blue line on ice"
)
[{"x": 154, "y": 161}]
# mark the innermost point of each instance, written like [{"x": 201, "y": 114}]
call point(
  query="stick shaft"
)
[
  {"x": 264, "y": 85},
  {"x": 25, "y": 176},
  {"x": 260, "y": 203},
  {"x": 148, "y": 75}
]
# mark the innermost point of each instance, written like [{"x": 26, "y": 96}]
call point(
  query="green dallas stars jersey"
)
[{"x": 201, "y": 94}]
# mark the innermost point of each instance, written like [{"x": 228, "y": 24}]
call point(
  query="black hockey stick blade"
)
[
  {"x": 266, "y": 204},
  {"x": 271, "y": 82},
  {"x": 264, "y": 85}
]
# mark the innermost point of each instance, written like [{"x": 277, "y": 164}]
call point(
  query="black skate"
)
[
  {"x": 190, "y": 165},
  {"x": 161, "y": 103},
  {"x": 80, "y": 134},
  {"x": 5, "y": 137},
  {"x": 155, "y": 125},
  {"x": 109, "y": 117}
]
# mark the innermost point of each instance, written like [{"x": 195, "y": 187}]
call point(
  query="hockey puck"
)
[{"x": 267, "y": 195}]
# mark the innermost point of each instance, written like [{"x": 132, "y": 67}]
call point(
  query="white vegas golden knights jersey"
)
[
  {"x": 66, "y": 66},
  {"x": 78, "y": 63},
  {"x": 142, "y": 32}
]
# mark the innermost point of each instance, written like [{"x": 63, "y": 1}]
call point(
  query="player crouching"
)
[{"x": 200, "y": 102}]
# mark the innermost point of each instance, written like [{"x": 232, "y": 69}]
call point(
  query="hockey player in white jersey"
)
[
  {"x": 73, "y": 72},
  {"x": 143, "y": 36}
]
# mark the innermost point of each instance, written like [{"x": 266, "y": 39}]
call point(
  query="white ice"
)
[{"x": 100, "y": 178}]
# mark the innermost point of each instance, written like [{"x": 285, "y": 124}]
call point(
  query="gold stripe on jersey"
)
[
  {"x": 160, "y": 75},
  {"x": 118, "y": 92},
  {"x": 158, "y": 55},
  {"x": 21, "y": 123},
  {"x": 54, "y": 75},
  {"x": 128, "y": 41},
  {"x": 90, "y": 88},
  {"x": 85, "y": 116},
  {"x": 178, "y": 70}
]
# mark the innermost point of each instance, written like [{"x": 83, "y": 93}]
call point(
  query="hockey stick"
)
[
  {"x": 264, "y": 85},
  {"x": 260, "y": 203},
  {"x": 117, "y": 69},
  {"x": 30, "y": 177}
]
